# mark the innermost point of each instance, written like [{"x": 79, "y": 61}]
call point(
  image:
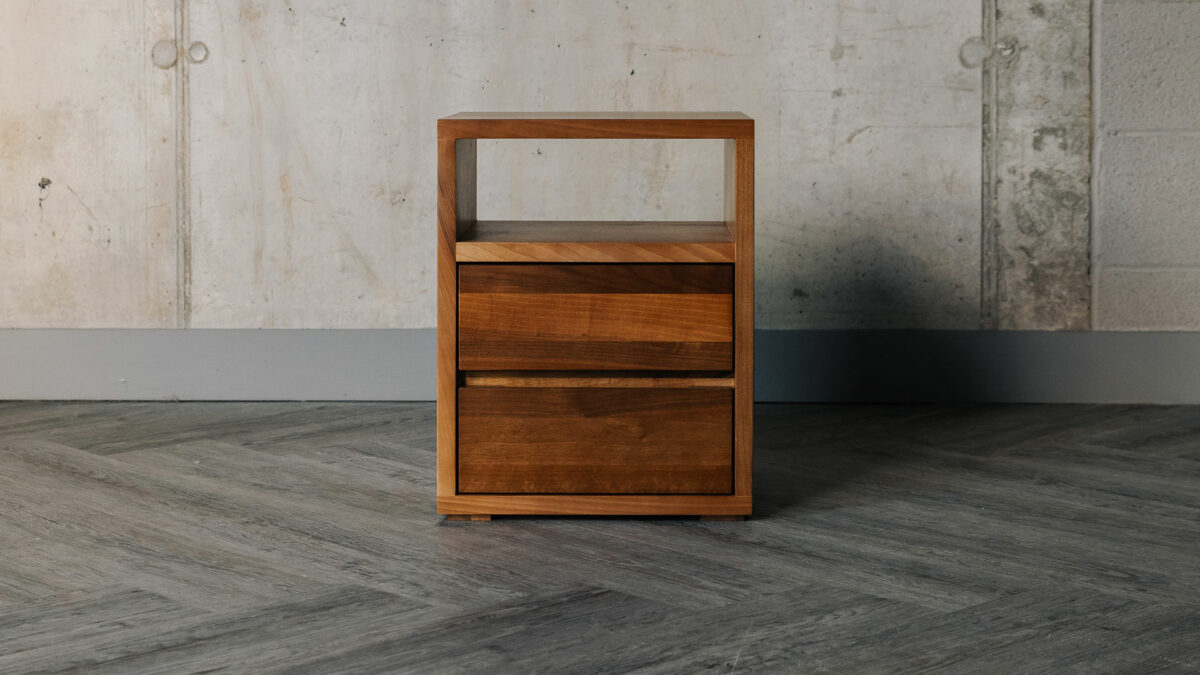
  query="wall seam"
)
[
  {"x": 1135, "y": 132},
  {"x": 183, "y": 205},
  {"x": 989, "y": 264},
  {"x": 1097, "y": 160},
  {"x": 1153, "y": 268}
]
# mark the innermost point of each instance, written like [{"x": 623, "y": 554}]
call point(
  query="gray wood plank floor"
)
[{"x": 260, "y": 537}]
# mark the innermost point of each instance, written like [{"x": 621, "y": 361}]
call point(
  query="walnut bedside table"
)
[{"x": 594, "y": 367}]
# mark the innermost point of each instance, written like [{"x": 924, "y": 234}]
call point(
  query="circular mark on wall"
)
[
  {"x": 974, "y": 52},
  {"x": 197, "y": 52},
  {"x": 164, "y": 54}
]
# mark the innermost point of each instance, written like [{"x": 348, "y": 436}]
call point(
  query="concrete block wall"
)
[{"x": 1146, "y": 233}]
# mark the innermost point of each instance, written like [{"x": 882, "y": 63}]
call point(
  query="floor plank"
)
[{"x": 275, "y": 635}]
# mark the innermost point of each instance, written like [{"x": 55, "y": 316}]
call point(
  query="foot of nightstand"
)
[
  {"x": 721, "y": 519},
  {"x": 473, "y": 516}
]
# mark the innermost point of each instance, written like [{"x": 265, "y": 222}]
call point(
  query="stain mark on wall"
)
[
  {"x": 355, "y": 253},
  {"x": 838, "y": 50},
  {"x": 289, "y": 222},
  {"x": 82, "y": 203},
  {"x": 43, "y": 184},
  {"x": 1040, "y": 134},
  {"x": 855, "y": 133}
]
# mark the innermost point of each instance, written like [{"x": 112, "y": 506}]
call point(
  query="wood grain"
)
[
  {"x": 575, "y": 378},
  {"x": 636, "y": 318},
  {"x": 597, "y": 279},
  {"x": 743, "y": 210},
  {"x": 595, "y": 505},
  {"x": 474, "y": 517},
  {"x": 594, "y": 441},
  {"x": 624, "y": 317},
  {"x": 596, "y": 125},
  {"x": 631, "y": 115},
  {"x": 505, "y": 353},
  {"x": 447, "y": 310},
  {"x": 595, "y": 241}
]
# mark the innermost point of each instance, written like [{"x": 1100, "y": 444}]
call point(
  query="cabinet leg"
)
[
  {"x": 721, "y": 519},
  {"x": 473, "y": 516}
]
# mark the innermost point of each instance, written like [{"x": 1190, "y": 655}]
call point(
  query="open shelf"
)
[{"x": 595, "y": 241}]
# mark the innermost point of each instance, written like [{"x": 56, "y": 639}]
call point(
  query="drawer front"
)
[
  {"x": 524, "y": 440},
  {"x": 595, "y": 317}
]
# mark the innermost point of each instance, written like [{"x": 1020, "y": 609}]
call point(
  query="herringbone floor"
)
[{"x": 167, "y": 537}]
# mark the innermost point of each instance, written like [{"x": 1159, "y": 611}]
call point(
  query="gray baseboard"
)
[
  {"x": 808, "y": 366},
  {"x": 218, "y": 365},
  {"x": 978, "y": 366}
]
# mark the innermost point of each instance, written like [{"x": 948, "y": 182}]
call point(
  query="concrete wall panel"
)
[
  {"x": 313, "y": 146},
  {"x": 1039, "y": 127},
  {"x": 87, "y": 166}
]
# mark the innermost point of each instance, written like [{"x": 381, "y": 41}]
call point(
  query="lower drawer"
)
[{"x": 529, "y": 440}]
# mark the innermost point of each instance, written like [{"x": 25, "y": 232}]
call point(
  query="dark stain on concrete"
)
[
  {"x": 43, "y": 184},
  {"x": 1041, "y": 133},
  {"x": 854, "y": 134},
  {"x": 1046, "y": 203},
  {"x": 838, "y": 51}
]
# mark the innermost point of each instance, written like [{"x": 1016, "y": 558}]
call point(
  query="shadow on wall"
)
[
  {"x": 805, "y": 454},
  {"x": 895, "y": 299},
  {"x": 882, "y": 366},
  {"x": 858, "y": 280}
]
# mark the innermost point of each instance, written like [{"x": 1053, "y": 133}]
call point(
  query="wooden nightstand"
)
[{"x": 594, "y": 367}]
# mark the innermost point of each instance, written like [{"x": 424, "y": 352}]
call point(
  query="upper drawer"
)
[{"x": 595, "y": 317}]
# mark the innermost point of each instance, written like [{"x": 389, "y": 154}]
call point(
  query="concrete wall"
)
[
  {"x": 1147, "y": 230},
  {"x": 87, "y": 165},
  {"x": 921, "y": 164},
  {"x": 306, "y": 158},
  {"x": 1037, "y": 165}
]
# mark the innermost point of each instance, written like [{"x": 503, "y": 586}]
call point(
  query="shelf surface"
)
[
  {"x": 598, "y": 116},
  {"x": 596, "y": 125},
  {"x": 595, "y": 241}
]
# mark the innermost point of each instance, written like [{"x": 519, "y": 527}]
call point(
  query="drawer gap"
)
[{"x": 599, "y": 378}]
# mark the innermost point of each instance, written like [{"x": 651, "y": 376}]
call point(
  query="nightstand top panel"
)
[{"x": 596, "y": 125}]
